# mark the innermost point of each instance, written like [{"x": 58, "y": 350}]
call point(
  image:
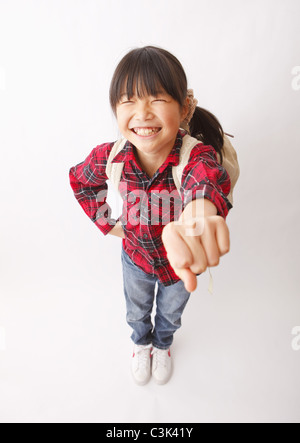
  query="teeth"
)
[{"x": 145, "y": 131}]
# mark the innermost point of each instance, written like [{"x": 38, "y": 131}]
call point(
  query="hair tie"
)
[{"x": 191, "y": 109}]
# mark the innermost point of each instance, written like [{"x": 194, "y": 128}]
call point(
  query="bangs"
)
[{"x": 147, "y": 71}]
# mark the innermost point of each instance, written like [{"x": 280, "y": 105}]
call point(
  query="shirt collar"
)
[{"x": 127, "y": 153}]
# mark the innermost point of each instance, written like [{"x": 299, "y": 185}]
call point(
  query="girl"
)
[{"x": 155, "y": 113}]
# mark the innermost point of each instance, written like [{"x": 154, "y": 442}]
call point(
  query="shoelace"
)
[
  {"x": 142, "y": 356},
  {"x": 160, "y": 357}
]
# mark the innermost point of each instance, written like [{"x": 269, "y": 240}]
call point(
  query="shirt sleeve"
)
[
  {"x": 204, "y": 177},
  {"x": 88, "y": 181}
]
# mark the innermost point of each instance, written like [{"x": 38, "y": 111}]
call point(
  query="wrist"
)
[
  {"x": 197, "y": 209},
  {"x": 118, "y": 230}
]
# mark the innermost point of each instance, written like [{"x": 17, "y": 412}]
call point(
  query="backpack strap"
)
[
  {"x": 114, "y": 170},
  {"x": 188, "y": 143}
]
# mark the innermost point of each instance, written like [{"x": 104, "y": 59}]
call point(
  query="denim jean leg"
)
[
  {"x": 139, "y": 290},
  {"x": 170, "y": 304}
]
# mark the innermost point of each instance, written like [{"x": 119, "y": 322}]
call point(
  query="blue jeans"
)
[{"x": 139, "y": 290}]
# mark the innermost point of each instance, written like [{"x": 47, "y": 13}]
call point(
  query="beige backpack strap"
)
[
  {"x": 230, "y": 163},
  {"x": 188, "y": 143},
  {"x": 114, "y": 170}
]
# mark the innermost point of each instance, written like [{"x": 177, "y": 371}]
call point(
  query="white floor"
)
[{"x": 67, "y": 353}]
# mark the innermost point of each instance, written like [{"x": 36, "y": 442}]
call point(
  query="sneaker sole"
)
[
  {"x": 165, "y": 381},
  {"x": 140, "y": 383}
]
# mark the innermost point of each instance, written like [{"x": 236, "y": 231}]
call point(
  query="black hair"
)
[{"x": 148, "y": 70}]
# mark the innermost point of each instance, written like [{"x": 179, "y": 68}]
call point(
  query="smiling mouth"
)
[{"x": 145, "y": 132}]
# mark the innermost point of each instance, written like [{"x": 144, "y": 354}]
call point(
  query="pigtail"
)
[{"x": 206, "y": 127}]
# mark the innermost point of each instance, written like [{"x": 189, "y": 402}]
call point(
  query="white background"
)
[{"x": 65, "y": 347}]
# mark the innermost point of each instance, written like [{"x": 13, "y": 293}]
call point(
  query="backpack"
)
[{"x": 230, "y": 162}]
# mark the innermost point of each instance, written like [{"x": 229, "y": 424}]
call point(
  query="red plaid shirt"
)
[{"x": 144, "y": 210}]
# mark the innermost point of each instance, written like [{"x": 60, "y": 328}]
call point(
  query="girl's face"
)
[{"x": 150, "y": 123}]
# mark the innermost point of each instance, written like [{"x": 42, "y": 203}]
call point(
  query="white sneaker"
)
[
  {"x": 140, "y": 365},
  {"x": 161, "y": 365}
]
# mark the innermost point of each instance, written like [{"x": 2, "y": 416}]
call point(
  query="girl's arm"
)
[
  {"x": 88, "y": 181},
  {"x": 200, "y": 237},
  {"x": 197, "y": 240}
]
